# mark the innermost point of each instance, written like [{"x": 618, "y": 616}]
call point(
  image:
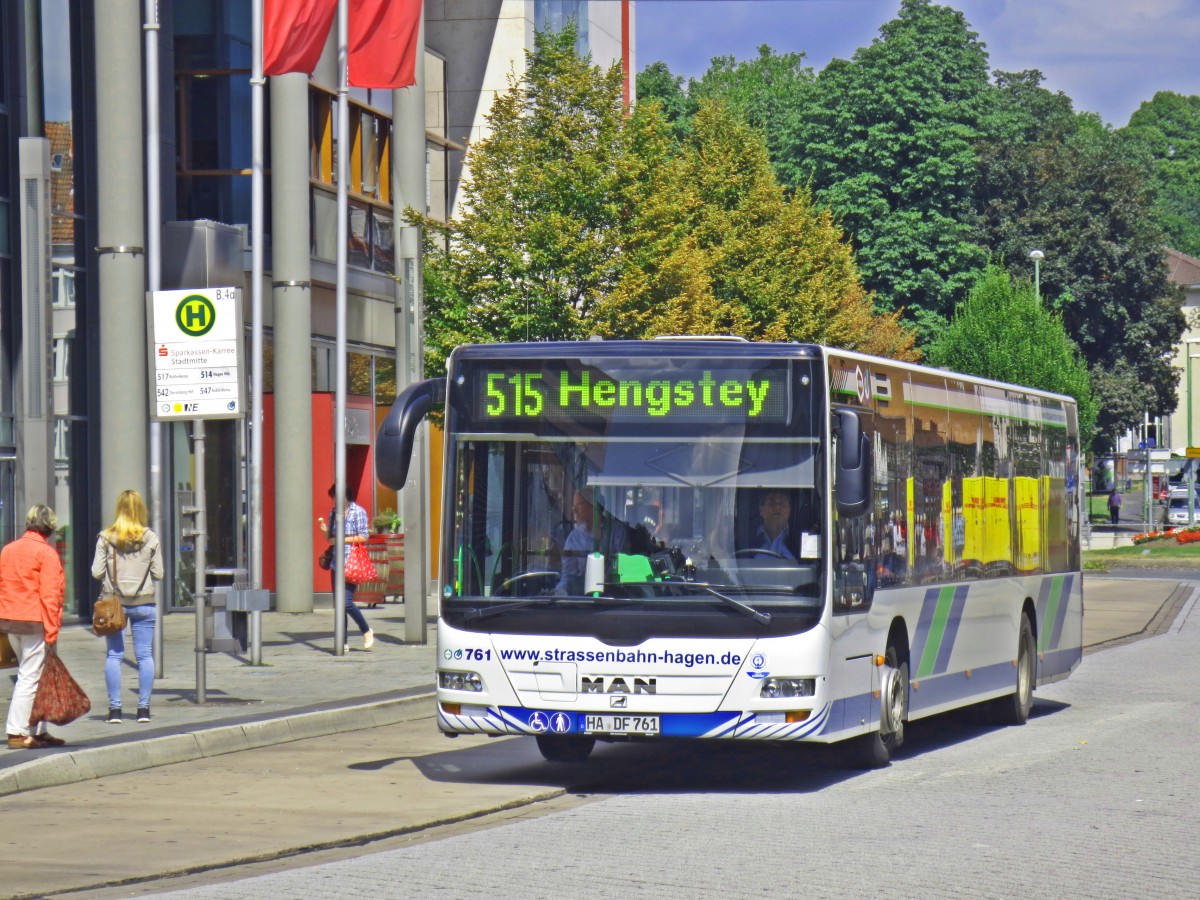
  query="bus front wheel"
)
[
  {"x": 557, "y": 748},
  {"x": 875, "y": 750},
  {"x": 1013, "y": 709}
]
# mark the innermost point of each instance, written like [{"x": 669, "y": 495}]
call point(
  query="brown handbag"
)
[{"x": 108, "y": 615}]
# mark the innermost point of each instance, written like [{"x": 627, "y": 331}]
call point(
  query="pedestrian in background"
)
[
  {"x": 128, "y": 561},
  {"x": 1114, "y": 506},
  {"x": 357, "y": 529},
  {"x": 32, "y": 584}
]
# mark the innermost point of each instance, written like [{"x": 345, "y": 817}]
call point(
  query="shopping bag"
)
[
  {"x": 59, "y": 698},
  {"x": 359, "y": 568},
  {"x": 8, "y": 656}
]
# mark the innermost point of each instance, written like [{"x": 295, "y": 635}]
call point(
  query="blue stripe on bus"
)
[
  {"x": 1043, "y": 600},
  {"x": 924, "y": 623},
  {"x": 742, "y": 725},
  {"x": 1064, "y": 601},
  {"x": 956, "y": 612}
]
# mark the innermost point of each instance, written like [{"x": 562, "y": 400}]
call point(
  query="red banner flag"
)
[
  {"x": 383, "y": 43},
  {"x": 294, "y": 34}
]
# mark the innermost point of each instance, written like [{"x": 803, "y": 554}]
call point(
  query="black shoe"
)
[
  {"x": 143, "y": 714},
  {"x": 114, "y": 716}
]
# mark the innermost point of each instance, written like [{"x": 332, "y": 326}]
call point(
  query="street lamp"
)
[
  {"x": 1190, "y": 480},
  {"x": 1187, "y": 346},
  {"x": 1037, "y": 256}
]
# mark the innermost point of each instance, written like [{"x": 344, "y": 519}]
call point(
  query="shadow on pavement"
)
[{"x": 631, "y": 767}]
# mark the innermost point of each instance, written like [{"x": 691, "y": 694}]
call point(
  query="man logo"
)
[
  {"x": 618, "y": 686},
  {"x": 618, "y": 701},
  {"x": 195, "y": 315}
]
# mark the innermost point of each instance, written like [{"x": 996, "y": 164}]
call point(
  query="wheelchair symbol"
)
[{"x": 538, "y": 722}]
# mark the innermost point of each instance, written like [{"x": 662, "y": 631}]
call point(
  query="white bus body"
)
[{"x": 929, "y": 560}]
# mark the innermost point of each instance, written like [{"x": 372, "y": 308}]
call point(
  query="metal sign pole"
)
[{"x": 201, "y": 560}]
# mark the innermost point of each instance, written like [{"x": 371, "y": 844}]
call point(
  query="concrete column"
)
[
  {"x": 292, "y": 298},
  {"x": 408, "y": 168},
  {"x": 120, "y": 176}
]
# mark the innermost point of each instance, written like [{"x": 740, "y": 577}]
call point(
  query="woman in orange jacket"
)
[{"x": 32, "y": 584}]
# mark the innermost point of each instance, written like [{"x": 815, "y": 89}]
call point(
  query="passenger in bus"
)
[
  {"x": 590, "y": 517},
  {"x": 772, "y": 536}
]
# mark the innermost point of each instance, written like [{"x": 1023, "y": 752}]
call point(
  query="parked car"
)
[{"x": 1177, "y": 510}]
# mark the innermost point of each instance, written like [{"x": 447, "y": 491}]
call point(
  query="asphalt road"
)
[{"x": 1095, "y": 797}]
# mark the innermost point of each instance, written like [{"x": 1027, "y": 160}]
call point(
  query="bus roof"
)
[{"x": 679, "y": 346}]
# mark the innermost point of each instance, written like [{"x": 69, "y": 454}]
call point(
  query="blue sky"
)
[{"x": 1106, "y": 55}]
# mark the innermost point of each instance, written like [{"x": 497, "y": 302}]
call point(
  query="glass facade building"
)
[{"x": 49, "y": 110}]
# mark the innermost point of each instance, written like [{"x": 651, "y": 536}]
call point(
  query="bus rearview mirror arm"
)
[
  {"x": 853, "y": 475},
  {"x": 394, "y": 440}
]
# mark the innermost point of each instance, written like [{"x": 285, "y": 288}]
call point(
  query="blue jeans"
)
[
  {"x": 141, "y": 623},
  {"x": 353, "y": 611}
]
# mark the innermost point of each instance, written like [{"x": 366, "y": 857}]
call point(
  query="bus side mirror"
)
[
  {"x": 394, "y": 440},
  {"x": 852, "y": 474}
]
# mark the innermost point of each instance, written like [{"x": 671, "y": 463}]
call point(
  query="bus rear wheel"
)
[
  {"x": 557, "y": 748},
  {"x": 1013, "y": 709}
]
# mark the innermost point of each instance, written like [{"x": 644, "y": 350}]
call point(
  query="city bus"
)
[{"x": 715, "y": 538}]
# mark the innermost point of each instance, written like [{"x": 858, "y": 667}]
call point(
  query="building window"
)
[
  {"x": 64, "y": 288},
  {"x": 555, "y": 15},
  {"x": 62, "y": 441},
  {"x": 62, "y": 357},
  {"x": 368, "y": 188},
  {"x": 214, "y": 163}
]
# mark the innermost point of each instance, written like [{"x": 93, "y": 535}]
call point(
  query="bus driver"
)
[{"x": 772, "y": 534}]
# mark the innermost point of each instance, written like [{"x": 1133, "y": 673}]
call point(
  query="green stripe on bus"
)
[
  {"x": 1056, "y": 590},
  {"x": 937, "y": 631}
]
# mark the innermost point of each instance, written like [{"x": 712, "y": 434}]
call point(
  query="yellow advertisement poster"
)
[
  {"x": 1029, "y": 523},
  {"x": 997, "y": 530},
  {"x": 910, "y": 503},
  {"x": 973, "y": 515}
]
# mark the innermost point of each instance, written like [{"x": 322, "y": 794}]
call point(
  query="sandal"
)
[{"x": 25, "y": 742}]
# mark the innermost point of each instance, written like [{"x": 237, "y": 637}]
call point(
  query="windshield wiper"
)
[
  {"x": 745, "y": 609},
  {"x": 473, "y": 615}
]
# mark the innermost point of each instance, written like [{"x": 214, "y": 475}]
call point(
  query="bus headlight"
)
[
  {"x": 460, "y": 681},
  {"x": 788, "y": 687}
]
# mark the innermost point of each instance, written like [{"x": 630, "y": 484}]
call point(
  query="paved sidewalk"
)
[{"x": 303, "y": 690}]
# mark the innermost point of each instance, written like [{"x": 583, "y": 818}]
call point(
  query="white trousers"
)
[{"x": 31, "y": 657}]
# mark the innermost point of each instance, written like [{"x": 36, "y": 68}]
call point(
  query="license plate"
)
[{"x": 621, "y": 724}]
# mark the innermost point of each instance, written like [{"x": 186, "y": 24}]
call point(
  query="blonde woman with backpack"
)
[{"x": 128, "y": 561}]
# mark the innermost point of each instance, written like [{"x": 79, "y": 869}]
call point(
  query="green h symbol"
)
[{"x": 195, "y": 315}]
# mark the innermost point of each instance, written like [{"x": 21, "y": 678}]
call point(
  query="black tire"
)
[
  {"x": 874, "y": 750},
  {"x": 570, "y": 749},
  {"x": 1013, "y": 709}
]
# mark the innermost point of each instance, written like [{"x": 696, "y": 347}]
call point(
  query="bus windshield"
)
[{"x": 628, "y": 527}]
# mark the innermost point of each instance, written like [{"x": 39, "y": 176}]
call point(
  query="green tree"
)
[
  {"x": 655, "y": 82},
  {"x": 1003, "y": 331},
  {"x": 768, "y": 92},
  {"x": 1062, "y": 182},
  {"x": 538, "y": 242},
  {"x": 888, "y": 144},
  {"x": 718, "y": 246},
  {"x": 1168, "y": 128},
  {"x": 580, "y": 220}
]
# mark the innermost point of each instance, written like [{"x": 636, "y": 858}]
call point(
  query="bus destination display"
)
[{"x": 757, "y": 394}]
